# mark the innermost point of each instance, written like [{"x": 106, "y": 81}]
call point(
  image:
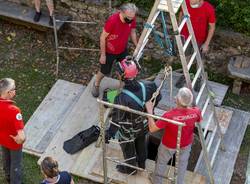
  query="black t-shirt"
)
[{"x": 63, "y": 178}]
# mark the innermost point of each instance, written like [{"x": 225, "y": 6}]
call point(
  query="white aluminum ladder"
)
[{"x": 206, "y": 136}]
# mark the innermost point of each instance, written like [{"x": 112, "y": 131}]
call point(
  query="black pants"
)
[
  {"x": 110, "y": 59},
  {"x": 12, "y": 164},
  {"x": 137, "y": 149}
]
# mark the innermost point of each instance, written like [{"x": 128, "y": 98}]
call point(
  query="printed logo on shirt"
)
[
  {"x": 19, "y": 116},
  {"x": 183, "y": 118}
]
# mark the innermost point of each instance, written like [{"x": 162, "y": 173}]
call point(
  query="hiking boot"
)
[
  {"x": 37, "y": 16},
  {"x": 50, "y": 20},
  {"x": 126, "y": 170},
  {"x": 95, "y": 90}
]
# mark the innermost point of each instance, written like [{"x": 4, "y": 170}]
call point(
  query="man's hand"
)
[
  {"x": 204, "y": 48},
  {"x": 149, "y": 107},
  {"x": 102, "y": 59},
  {"x": 19, "y": 138}
]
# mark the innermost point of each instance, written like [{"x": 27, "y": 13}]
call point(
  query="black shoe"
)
[
  {"x": 50, "y": 20},
  {"x": 197, "y": 85},
  {"x": 180, "y": 82},
  {"x": 126, "y": 170},
  {"x": 37, "y": 16}
]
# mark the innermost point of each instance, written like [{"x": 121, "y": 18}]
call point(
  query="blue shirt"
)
[{"x": 63, "y": 178}]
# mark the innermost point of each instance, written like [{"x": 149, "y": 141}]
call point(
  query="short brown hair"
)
[{"x": 49, "y": 166}]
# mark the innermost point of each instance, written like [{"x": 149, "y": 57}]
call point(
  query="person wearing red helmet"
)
[{"x": 127, "y": 126}]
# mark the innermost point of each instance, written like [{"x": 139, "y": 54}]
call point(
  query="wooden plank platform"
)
[
  {"x": 24, "y": 15},
  {"x": 167, "y": 103},
  {"x": 140, "y": 177},
  {"x": 83, "y": 115},
  {"x": 48, "y": 117},
  {"x": 224, "y": 162}
]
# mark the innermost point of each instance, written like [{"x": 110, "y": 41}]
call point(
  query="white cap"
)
[{"x": 184, "y": 97}]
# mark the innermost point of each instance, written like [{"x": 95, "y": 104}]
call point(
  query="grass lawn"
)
[{"x": 28, "y": 57}]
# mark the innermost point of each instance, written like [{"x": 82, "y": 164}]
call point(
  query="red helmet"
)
[{"x": 129, "y": 68}]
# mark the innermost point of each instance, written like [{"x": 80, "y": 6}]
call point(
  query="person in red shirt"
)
[
  {"x": 182, "y": 113},
  {"x": 202, "y": 16},
  {"x": 114, "y": 39},
  {"x": 11, "y": 132}
]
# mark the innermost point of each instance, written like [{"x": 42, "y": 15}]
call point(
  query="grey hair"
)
[
  {"x": 6, "y": 84},
  {"x": 129, "y": 6},
  {"x": 185, "y": 97}
]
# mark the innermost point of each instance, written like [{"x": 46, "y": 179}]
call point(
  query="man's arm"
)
[
  {"x": 103, "y": 37},
  {"x": 211, "y": 30},
  {"x": 133, "y": 36},
  {"x": 20, "y": 137},
  {"x": 151, "y": 122}
]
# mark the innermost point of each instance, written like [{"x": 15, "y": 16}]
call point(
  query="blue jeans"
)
[{"x": 12, "y": 160}]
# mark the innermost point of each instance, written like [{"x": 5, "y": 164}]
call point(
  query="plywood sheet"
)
[
  {"x": 224, "y": 117},
  {"x": 140, "y": 177},
  {"x": 167, "y": 102},
  {"x": 225, "y": 160},
  {"x": 83, "y": 115},
  {"x": 48, "y": 117},
  {"x": 26, "y": 14}
]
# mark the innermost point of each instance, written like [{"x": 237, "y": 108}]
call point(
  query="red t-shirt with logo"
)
[
  {"x": 10, "y": 122},
  {"x": 189, "y": 116},
  {"x": 119, "y": 33},
  {"x": 200, "y": 18}
]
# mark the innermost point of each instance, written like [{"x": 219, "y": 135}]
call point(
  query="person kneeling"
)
[{"x": 181, "y": 113}]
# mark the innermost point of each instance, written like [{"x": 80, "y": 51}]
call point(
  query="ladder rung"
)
[
  {"x": 175, "y": 3},
  {"x": 196, "y": 76},
  {"x": 211, "y": 138},
  {"x": 200, "y": 92},
  {"x": 187, "y": 42},
  {"x": 183, "y": 22},
  {"x": 208, "y": 123},
  {"x": 215, "y": 152},
  {"x": 191, "y": 60},
  {"x": 205, "y": 106}
]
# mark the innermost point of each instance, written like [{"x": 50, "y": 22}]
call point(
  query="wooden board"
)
[
  {"x": 224, "y": 117},
  {"x": 48, "y": 117},
  {"x": 83, "y": 115},
  {"x": 140, "y": 177},
  {"x": 225, "y": 160},
  {"x": 239, "y": 72},
  {"x": 167, "y": 103},
  {"x": 22, "y": 13}
]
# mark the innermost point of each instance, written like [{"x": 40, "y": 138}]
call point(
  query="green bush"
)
[{"x": 233, "y": 14}]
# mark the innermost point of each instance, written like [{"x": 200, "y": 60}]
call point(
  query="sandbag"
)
[{"x": 81, "y": 140}]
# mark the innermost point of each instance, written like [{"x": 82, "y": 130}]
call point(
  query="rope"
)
[{"x": 167, "y": 71}]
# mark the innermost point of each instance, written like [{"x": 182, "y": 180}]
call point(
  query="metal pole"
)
[
  {"x": 104, "y": 161},
  {"x": 56, "y": 45},
  {"x": 121, "y": 107},
  {"x": 178, "y": 147},
  {"x": 205, "y": 153}
]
